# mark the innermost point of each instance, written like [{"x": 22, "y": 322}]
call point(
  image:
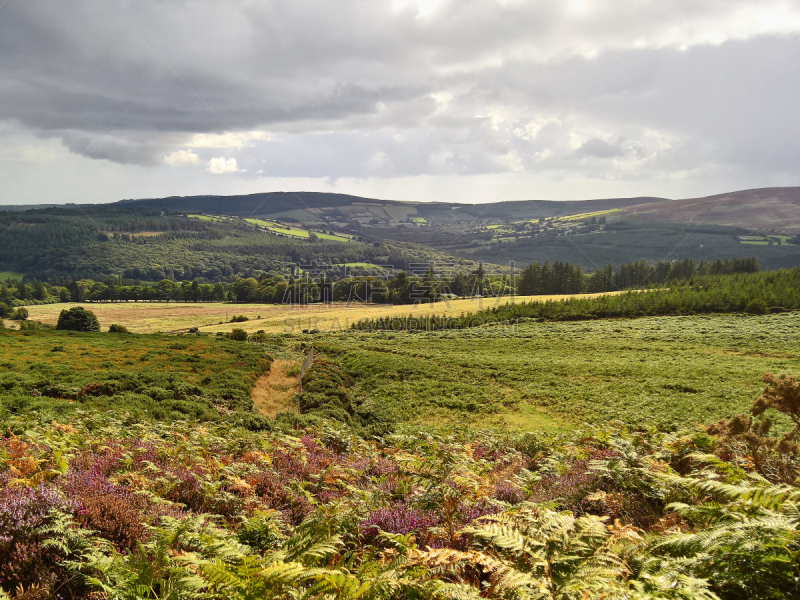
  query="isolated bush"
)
[
  {"x": 118, "y": 329},
  {"x": 239, "y": 319},
  {"x": 20, "y": 314},
  {"x": 78, "y": 319},
  {"x": 756, "y": 307},
  {"x": 240, "y": 335}
]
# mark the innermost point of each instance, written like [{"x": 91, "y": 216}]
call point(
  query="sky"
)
[{"x": 426, "y": 100}]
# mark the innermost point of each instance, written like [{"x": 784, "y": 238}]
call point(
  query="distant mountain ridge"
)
[
  {"x": 265, "y": 204},
  {"x": 775, "y": 209}
]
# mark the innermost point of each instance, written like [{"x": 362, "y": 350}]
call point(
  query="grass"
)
[
  {"x": 206, "y": 218},
  {"x": 153, "y": 317},
  {"x": 589, "y": 215},
  {"x": 666, "y": 372},
  {"x": 660, "y": 371},
  {"x": 295, "y": 231},
  {"x": 361, "y": 265},
  {"x": 4, "y": 275},
  {"x": 151, "y": 375}
]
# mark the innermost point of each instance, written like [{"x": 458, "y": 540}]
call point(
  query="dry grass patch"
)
[
  {"x": 274, "y": 390},
  {"x": 153, "y": 317}
]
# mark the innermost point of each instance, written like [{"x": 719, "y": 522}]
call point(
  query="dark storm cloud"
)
[{"x": 387, "y": 89}]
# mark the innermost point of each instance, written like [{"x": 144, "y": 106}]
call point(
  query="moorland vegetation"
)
[
  {"x": 613, "y": 447},
  {"x": 105, "y": 506}
]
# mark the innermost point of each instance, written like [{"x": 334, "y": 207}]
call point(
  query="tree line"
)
[
  {"x": 393, "y": 287},
  {"x": 754, "y": 293},
  {"x": 565, "y": 278}
]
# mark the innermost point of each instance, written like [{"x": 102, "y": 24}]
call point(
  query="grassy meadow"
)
[
  {"x": 5, "y": 275},
  {"x": 662, "y": 372}
]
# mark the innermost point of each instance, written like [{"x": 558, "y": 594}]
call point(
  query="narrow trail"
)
[{"x": 273, "y": 391}]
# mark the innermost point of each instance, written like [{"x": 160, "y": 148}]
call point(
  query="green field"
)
[
  {"x": 362, "y": 265},
  {"x": 662, "y": 371},
  {"x": 589, "y": 215},
  {"x": 4, "y": 275},
  {"x": 295, "y": 231},
  {"x": 763, "y": 240},
  {"x": 207, "y": 218}
]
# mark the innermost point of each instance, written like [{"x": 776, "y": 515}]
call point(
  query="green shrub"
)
[
  {"x": 240, "y": 335},
  {"x": 239, "y": 319},
  {"x": 756, "y": 307},
  {"x": 5, "y": 310},
  {"x": 118, "y": 329},
  {"x": 20, "y": 314},
  {"x": 78, "y": 319},
  {"x": 34, "y": 326},
  {"x": 252, "y": 421}
]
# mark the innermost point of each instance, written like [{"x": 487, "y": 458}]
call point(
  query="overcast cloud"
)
[{"x": 419, "y": 99}]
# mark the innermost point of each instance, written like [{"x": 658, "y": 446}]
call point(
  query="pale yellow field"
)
[{"x": 151, "y": 317}]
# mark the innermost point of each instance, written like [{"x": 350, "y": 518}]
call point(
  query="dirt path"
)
[{"x": 273, "y": 391}]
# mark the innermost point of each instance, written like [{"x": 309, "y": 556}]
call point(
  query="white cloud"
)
[
  {"x": 221, "y": 166},
  {"x": 231, "y": 139},
  {"x": 181, "y": 158}
]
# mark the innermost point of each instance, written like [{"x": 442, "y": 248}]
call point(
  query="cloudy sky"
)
[{"x": 452, "y": 100}]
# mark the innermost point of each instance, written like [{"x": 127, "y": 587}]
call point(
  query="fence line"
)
[{"x": 306, "y": 365}]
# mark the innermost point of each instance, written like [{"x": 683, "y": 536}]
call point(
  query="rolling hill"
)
[
  {"x": 198, "y": 230},
  {"x": 770, "y": 210}
]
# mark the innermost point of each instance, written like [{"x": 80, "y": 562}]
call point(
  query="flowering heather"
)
[
  {"x": 23, "y": 557},
  {"x": 402, "y": 518},
  {"x": 398, "y": 519}
]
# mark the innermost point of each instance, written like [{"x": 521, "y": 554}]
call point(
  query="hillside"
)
[
  {"x": 138, "y": 243},
  {"x": 218, "y": 236},
  {"x": 769, "y": 210}
]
